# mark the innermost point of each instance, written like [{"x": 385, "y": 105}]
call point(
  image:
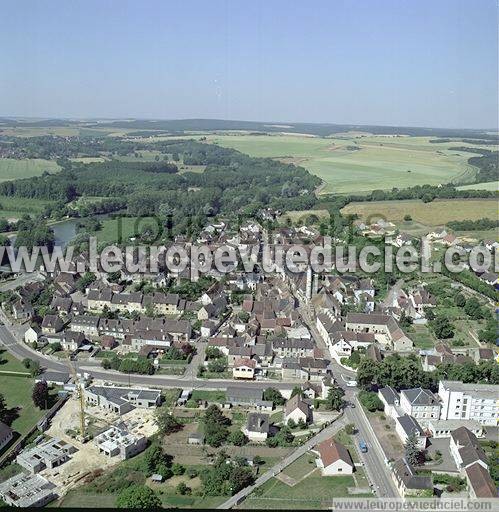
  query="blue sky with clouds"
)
[{"x": 391, "y": 62}]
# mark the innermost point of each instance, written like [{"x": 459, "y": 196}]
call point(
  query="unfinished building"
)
[
  {"x": 25, "y": 490},
  {"x": 118, "y": 442},
  {"x": 47, "y": 455}
]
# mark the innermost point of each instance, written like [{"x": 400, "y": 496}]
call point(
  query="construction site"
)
[{"x": 83, "y": 436}]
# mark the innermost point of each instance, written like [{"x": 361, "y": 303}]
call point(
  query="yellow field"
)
[{"x": 436, "y": 213}]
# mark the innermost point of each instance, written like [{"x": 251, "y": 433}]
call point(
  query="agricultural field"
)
[
  {"x": 490, "y": 185},
  {"x": 12, "y": 169},
  {"x": 358, "y": 163},
  {"x": 436, "y": 213},
  {"x": 15, "y": 207},
  {"x": 303, "y": 215}
]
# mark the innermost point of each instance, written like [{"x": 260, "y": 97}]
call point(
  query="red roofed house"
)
[
  {"x": 244, "y": 368},
  {"x": 334, "y": 459}
]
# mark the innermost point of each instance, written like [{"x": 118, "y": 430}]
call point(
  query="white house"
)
[
  {"x": 257, "y": 427},
  {"x": 420, "y": 403},
  {"x": 32, "y": 335},
  {"x": 297, "y": 410},
  {"x": 406, "y": 426},
  {"x": 334, "y": 459},
  {"x": 391, "y": 402}
]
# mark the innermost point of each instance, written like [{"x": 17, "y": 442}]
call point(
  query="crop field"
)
[
  {"x": 12, "y": 169},
  {"x": 490, "y": 185},
  {"x": 436, "y": 213},
  {"x": 359, "y": 163}
]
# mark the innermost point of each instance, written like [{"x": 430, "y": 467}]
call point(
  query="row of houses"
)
[{"x": 160, "y": 303}]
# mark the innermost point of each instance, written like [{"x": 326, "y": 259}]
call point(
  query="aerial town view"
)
[{"x": 248, "y": 255}]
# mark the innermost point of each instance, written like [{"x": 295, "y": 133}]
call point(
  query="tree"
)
[
  {"x": 240, "y": 477},
  {"x": 350, "y": 429},
  {"x": 412, "y": 452},
  {"x": 216, "y": 431},
  {"x": 407, "y": 217},
  {"x": 156, "y": 461},
  {"x": 32, "y": 366},
  {"x": 167, "y": 423},
  {"x": 217, "y": 365},
  {"x": 334, "y": 399},
  {"x": 178, "y": 469},
  {"x": 183, "y": 489},
  {"x": 41, "y": 395},
  {"x": 459, "y": 300},
  {"x": 213, "y": 353},
  {"x": 3, "y": 409},
  {"x": 85, "y": 280},
  {"x": 273, "y": 395},
  {"x": 138, "y": 496},
  {"x": 237, "y": 438},
  {"x": 283, "y": 438},
  {"x": 473, "y": 309},
  {"x": 370, "y": 401},
  {"x": 442, "y": 328},
  {"x": 296, "y": 391}
]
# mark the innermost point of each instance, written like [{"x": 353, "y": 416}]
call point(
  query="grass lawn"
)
[
  {"x": 210, "y": 396},
  {"x": 17, "y": 393},
  {"x": 123, "y": 228},
  {"x": 422, "y": 337},
  {"x": 13, "y": 169},
  {"x": 436, "y": 213},
  {"x": 361, "y": 162},
  {"x": 314, "y": 492},
  {"x": 300, "y": 467}
]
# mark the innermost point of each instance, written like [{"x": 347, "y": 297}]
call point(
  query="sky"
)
[{"x": 384, "y": 62}]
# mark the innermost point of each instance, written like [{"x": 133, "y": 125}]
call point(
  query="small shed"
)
[
  {"x": 156, "y": 477},
  {"x": 196, "y": 438}
]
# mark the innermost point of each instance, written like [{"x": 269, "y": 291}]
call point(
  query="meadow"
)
[
  {"x": 12, "y": 169},
  {"x": 436, "y": 213},
  {"x": 358, "y": 163},
  {"x": 16, "y": 207}
]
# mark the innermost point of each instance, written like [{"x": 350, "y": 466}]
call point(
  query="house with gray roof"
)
[
  {"x": 406, "y": 426},
  {"x": 122, "y": 400},
  {"x": 257, "y": 426},
  {"x": 420, "y": 403},
  {"x": 408, "y": 482}
]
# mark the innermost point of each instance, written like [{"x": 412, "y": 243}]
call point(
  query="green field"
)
[
  {"x": 491, "y": 185},
  {"x": 314, "y": 492},
  {"x": 355, "y": 163},
  {"x": 12, "y": 169},
  {"x": 122, "y": 228},
  {"x": 16, "y": 207},
  {"x": 17, "y": 393},
  {"x": 436, "y": 213}
]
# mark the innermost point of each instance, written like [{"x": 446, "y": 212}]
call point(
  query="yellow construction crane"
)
[{"x": 79, "y": 388}]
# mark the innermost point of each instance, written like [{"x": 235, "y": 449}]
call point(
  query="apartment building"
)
[{"x": 479, "y": 402}]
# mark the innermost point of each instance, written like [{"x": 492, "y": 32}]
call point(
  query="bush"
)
[
  {"x": 178, "y": 469},
  {"x": 182, "y": 489},
  {"x": 370, "y": 401}
]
